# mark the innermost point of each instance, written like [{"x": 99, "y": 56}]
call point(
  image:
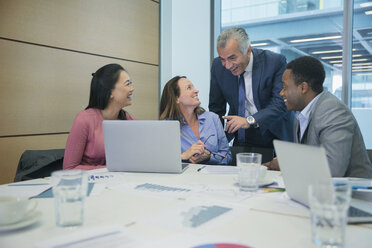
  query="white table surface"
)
[{"x": 269, "y": 219}]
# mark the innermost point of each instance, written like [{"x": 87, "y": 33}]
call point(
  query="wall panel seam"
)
[
  {"x": 33, "y": 134},
  {"x": 76, "y": 51}
]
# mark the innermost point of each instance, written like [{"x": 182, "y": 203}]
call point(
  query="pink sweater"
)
[{"x": 85, "y": 148}]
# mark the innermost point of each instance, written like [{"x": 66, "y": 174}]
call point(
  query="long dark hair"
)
[
  {"x": 169, "y": 108},
  {"x": 103, "y": 82}
]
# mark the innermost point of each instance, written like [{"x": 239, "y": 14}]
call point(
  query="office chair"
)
[{"x": 39, "y": 163}]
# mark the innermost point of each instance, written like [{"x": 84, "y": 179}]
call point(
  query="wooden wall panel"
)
[
  {"x": 120, "y": 28},
  {"x": 44, "y": 88},
  {"x": 11, "y": 150},
  {"x": 48, "y": 50}
]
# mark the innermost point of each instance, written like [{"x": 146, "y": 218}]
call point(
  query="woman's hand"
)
[
  {"x": 194, "y": 152},
  {"x": 206, "y": 155}
]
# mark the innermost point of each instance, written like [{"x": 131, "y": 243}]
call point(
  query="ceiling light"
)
[
  {"x": 362, "y": 67},
  {"x": 338, "y": 65},
  {"x": 364, "y": 74},
  {"x": 365, "y": 4},
  {"x": 260, "y": 44},
  {"x": 329, "y": 51},
  {"x": 357, "y": 60},
  {"x": 340, "y": 61},
  {"x": 369, "y": 12},
  {"x": 358, "y": 64},
  {"x": 340, "y": 57},
  {"x": 316, "y": 39},
  {"x": 362, "y": 70}
]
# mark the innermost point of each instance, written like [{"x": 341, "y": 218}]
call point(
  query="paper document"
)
[
  {"x": 113, "y": 237},
  {"x": 218, "y": 169},
  {"x": 24, "y": 190},
  {"x": 105, "y": 177},
  {"x": 194, "y": 215},
  {"x": 224, "y": 193},
  {"x": 188, "y": 240},
  {"x": 155, "y": 190}
]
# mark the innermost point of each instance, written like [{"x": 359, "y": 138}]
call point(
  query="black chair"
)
[
  {"x": 39, "y": 163},
  {"x": 267, "y": 153}
]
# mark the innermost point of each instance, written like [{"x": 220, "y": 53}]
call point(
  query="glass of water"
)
[
  {"x": 248, "y": 170},
  {"x": 329, "y": 203},
  {"x": 69, "y": 190}
]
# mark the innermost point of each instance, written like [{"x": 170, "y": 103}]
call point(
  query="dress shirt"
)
[
  {"x": 303, "y": 117},
  {"x": 250, "y": 107},
  {"x": 210, "y": 130}
]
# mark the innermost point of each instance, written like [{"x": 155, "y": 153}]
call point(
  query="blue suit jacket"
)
[{"x": 275, "y": 122}]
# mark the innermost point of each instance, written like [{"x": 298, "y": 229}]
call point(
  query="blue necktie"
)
[{"x": 241, "y": 109}]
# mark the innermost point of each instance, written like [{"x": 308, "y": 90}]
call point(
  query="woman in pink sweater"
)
[{"x": 111, "y": 90}]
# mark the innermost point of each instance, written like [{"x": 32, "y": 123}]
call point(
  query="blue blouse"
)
[{"x": 212, "y": 135}]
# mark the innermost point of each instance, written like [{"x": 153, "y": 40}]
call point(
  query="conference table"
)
[{"x": 191, "y": 209}]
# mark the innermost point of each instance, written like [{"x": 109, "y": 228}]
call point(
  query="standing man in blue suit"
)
[{"x": 249, "y": 80}]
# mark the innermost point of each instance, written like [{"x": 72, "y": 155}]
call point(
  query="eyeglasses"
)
[
  {"x": 219, "y": 156},
  {"x": 208, "y": 138},
  {"x": 216, "y": 155}
]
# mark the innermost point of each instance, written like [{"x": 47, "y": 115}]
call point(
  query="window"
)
[{"x": 296, "y": 28}]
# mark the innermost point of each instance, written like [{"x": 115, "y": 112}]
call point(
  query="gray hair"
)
[{"x": 238, "y": 34}]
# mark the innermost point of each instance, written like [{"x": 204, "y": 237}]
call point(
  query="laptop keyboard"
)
[
  {"x": 184, "y": 165},
  {"x": 356, "y": 212}
]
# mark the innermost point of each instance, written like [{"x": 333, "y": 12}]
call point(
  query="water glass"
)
[
  {"x": 248, "y": 170},
  {"x": 69, "y": 190},
  {"x": 329, "y": 203}
]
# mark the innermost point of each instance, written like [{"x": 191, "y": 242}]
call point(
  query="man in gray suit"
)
[{"x": 322, "y": 119}]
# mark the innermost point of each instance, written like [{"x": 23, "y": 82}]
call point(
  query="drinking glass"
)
[
  {"x": 69, "y": 190},
  {"x": 329, "y": 203},
  {"x": 248, "y": 170}
]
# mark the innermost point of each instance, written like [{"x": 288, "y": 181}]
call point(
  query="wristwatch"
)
[{"x": 251, "y": 121}]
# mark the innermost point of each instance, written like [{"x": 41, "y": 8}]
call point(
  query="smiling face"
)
[
  {"x": 232, "y": 59},
  {"x": 188, "y": 94},
  {"x": 123, "y": 90},
  {"x": 291, "y": 92}
]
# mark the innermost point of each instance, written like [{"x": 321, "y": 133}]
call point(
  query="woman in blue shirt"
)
[{"x": 203, "y": 139}]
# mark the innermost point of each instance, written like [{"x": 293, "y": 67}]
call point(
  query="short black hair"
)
[
  {"x": 103, "y": 82},
  {"x": 308, "y": 69}
]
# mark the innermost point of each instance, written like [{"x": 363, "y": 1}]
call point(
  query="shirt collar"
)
[
  {"x": 200, "y": 117},
  {"x": 249, "y": 67},
  {"x": 306, "y": 112}
]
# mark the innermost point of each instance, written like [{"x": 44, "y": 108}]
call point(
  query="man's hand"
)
[
  {"x": 234, "y": 123},
  {"x": 273, "y": 164}
]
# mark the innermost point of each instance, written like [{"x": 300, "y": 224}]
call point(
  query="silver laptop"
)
[
  {"x": 143, "y": 146},
  {"x": 302, "y": 165}
]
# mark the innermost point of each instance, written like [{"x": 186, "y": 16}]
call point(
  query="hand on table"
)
[{"x": 273, "y": 164}]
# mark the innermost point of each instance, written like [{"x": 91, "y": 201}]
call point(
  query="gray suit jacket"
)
[{"x": 333, "y": 126}]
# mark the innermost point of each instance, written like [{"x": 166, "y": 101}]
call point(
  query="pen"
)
[{"x": 200, "y": 168}]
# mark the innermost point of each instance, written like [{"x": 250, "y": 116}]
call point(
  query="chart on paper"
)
[
  {"x": 155, "y": 190},
  {"x": 159, "y": 188},
  {"x": 193, "y": 214},
  {"x": 199, "y": 215}
]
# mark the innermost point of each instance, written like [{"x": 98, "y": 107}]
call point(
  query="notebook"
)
[
  {"x": 143, "y": 146},
  {"x": 302, "y": 165}
]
